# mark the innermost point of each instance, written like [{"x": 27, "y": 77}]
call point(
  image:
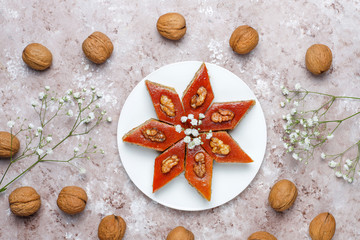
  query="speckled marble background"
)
[{"x": 286, "y": 30}]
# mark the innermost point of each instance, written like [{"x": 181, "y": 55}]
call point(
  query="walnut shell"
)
[
  {"x": 37, "y": 56},
  {"x": 318, "y": 58},
  {"x": 24, "y": 201},
  {"x": 244, "y": 39},
  {"x": 282, "y": 195},
  {"x": 322, "y": 227},
  {"x": 9, "y": 145},
  {"x": 261, "y": 235},
  {"x": 180, "y": 233},
  {"x": 97, "y": 47},
  {"x": 72, "y": 200},
  {"x": 111, "y": 227},
  {"x": 171, "y": 26}
]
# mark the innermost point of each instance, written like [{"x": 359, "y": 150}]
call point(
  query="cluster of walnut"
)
[{"x": 97, "y": 48}]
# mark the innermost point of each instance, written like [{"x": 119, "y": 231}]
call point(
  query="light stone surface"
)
[{"x": 286, "y": 30}]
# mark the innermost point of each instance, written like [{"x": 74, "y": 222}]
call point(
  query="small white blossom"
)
[
  {"x": 290, "y": 148},
  {"x": 191, "y": 116},
  {"x": 82, "y": 170},
  {"x": 178, "y": 128},
  {"x": 47, "y": 88},
  {"x": 31, "y": 126},
  {"x": 194, "y": 122},
  {"x": 34, "y": 103},
  {"x": 338, "y": 174},
  {"x": 187, "y": 139},
  {"x": 283, "y": 117},
  {"x": 61, "y": 101},
  {"x": 315, "y": 119},
  {"x": 183, "y": 119},
  {"x": 296, "y": 103},
  {"x": 350, "y": 180},
  {"x": 316, "y": 133},
  {"x": 188, "y": 131},
  {"x": 323, "y": 155},
  {"x": 345, "y": 177},
  {"x": 288, "y": 117},
  {"x": 310, "y": 122},
  {"x": 307, "y": 141},
  {"x": 49, "y": 151},
  {"x": 199, "y": 122},
  {"x": 103, "y": 112},
  {"x": 84, "y": 89},
  {"x": 97, "y": 105},
  {"x": 69, "y": 91},
  {"x": 99, "y": 95},
  {"x": 109, "y": 119},
  {"x": 209, "y": 135},
  {"x": 76, "y": 149},
  {"x": 295, "y": 156},
  {"x": 286, "y": 145},
  {"x": 92, "y": 88},
  {"x": 293, "y": 111},
  {"x": 91, "y": 115},
  {"x": 201, "y": 116},
  {"x": 48, "y": 139},
  {"x": 348, "y": 162},
  {"x": 194, "y": 132},
  {"x": 39, "y": 151},
  {"x": 80, "y": 101},
  {"x": 332, "y": 164},
  {"x": 10, "y": 124},
  {"x": 66, "y": 98},
  {"x": 39, "y": 129},
  {"x": 102, "y": 151},
  {"x": 330, "y": 136},
  {"x": 70, "y": 113},
  {"x": 41, "y": 95},
  {"x": 191, "y": 145},
  {"x": 282, "y": 104},
  {"x": 197, "y": 141},
  {"x": 76, "y": 95},
  {"x": 346, "y": 167},
  {"x": 285, "y": 91},
  {"x": 297, "y": 86}
]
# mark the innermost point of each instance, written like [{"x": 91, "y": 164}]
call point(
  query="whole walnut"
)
[
  {"x": 322, "y": 227},
  {"x": 318, "y": 58},
  {"x": 72, "y": 199},
  {"x": 282, "y": 195},
  {"x": 37, "y": 56},
  {"x": 171, "y": 26},
  {"x": 261, "y": 235},
  {"x": 9, "y": 145},
  {"x": 24, "y": 201},
  {"x": 180, "y": 233},
  {"x": 111, "y": 227},
  {"x": 97, "y": 47},
  {"x": 244, "y": 39}
]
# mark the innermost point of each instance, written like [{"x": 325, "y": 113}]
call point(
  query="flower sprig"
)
[
  {"x": 79, "y": 110},
  {"x": 307, "y": 129}
]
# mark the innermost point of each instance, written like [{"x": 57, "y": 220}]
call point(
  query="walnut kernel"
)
[
  {"x": 72, "y": 199},
  {"x": 97, "y": 47},
  {"x": 261, "y": 235},
  {"x": 167, "y": 106},
  {"x": 222, "y": 116},
  {"x": 199, "y": 98},
  {"x": 37, "y": 56},
  {"x": 171, "y": 26},
  {"x": 244, "y": 39},
  {"x": 168, "y": 163},
  {"x": 318, "y": 58},
  {"x": 9, "y": 145},
  {"x": 180, "y": 233},
  {"x": 199, "y": 167},
  {"x": 24, "y": 201},
  {"x": 111, "y": 227},
  {"x": 282, "y": 195},
  {"x": 219, "y": 146},
  {"x": 154, "y": 135},
  {"x": 322, "y": 227}
]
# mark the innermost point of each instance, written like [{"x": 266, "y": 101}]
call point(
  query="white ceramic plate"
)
[{"x": 229, "y": 179}]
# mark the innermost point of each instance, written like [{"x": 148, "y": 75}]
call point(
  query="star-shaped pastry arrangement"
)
[{"x": 191, "y": 133}]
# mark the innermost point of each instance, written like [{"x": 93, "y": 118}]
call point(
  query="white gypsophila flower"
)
[
  {"x": 201, "y": 116},
  {"x": 109, "y": 119},
  {"x": 332, "y": 164},
  {"x": 178, "y": 128},
  {"x": 80, "y": 101},
  {"x": 307, "y": 141},
  {"x": 103, "y": 112},
  {"x": 91, "y": 115},
  {"x": 194, "y": 132},
  {"x": 346, "y": 167},
  {"x": 197, "y": 141},
  {"x": 286, "y": 145},
  {"x": 39, "y": 151},
  {"x": 92, "y": 88},
  {"x": 48, "y": 139},
  {"x": 82, "y": 170},
  {"x": 99, "y": 95},
  {"x": 338, "y": 174},
  {"x": 295, "y": 156},
  {"x": 283, "y": 117},
  {"x": 87, "y": 120},
  {"x": 41, "y": 95},
  {"x": 199, "y": 122},
  {"x": 330, "y": 136},
  {"x": 288, "y": 117},
  {"x": 102, "y": 151},
  {"x": 66, "y": 98},
  {"x": 39, "y": 129},
  {"x": 49, "y": 151},
  {"x": 282, "y": 104},
  {"x": 10, "y": 124},
  {"x": 293, "y": 111},
  {"x": 282, "y": 87},
  {"x": 285, "y": 91},
  {"x": 191, "y": 145},
  {"x": 77, "y": 95},
  {"x": 76, "y": 149},
  {"x": 310, "y": 122},
  {"x": 348, "y": 162},
  {"x": 323, "y": 155},
  {"x": 188, "y": 131},
  {"x": 345, "y": 177},
  {"x": 316, "y": 133},
  {"x": 183, "y": 119},
  {"x": 31, "y": 126},
  {"x": 290, "y": 149},
  {"x": 70, "y": 113},
  {"x": 47, "y": 88},
  {"x": 350, "y": 180},
  {"x": 315, "y": 119},
  {"x": 36, "y": 134},
  {"x": 61, "y": 101},
  {"x": 187, "y": 139},
  {"x": 69, "y": 91},
  {"x": 97, "y": 105},
  {"x": 209, "y": 135},
  {"x": 191, "y": 116},
  {"x": 34, "y": 103},
  {"x": 84, "y": 89},
  {"x": 194, "y": 122},
  {"x": 304, "y": 134},
  {"x": 297, "y": 131},
  {"x": 297, "y": 86},
  {"x": 296, "y": 103}
]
